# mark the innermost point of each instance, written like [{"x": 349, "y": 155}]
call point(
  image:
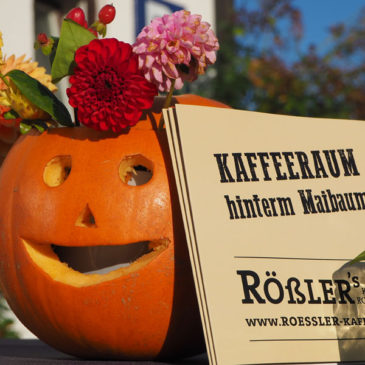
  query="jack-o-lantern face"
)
[
  {"x": 69, "y": 210},
  {"x": 82, "y": 181}
]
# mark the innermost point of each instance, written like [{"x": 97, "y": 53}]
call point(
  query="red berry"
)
[
  {"x": 42, "y": 38},
  {"x": 106, "y": 14},
  {"x": 77, "y": 15}
]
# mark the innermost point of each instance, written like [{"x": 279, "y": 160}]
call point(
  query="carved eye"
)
[
  {"x": 57, "y": 170},
  {"x": 135, "y": 170}
]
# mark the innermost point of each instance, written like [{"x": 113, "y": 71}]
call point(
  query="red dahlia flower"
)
[{"x": 107, "y": 88}]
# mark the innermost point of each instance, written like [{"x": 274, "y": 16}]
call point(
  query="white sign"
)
[{"x": 274, "y": 210}]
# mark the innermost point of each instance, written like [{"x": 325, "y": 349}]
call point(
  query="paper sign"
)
[{"x": 274, "y": 211}]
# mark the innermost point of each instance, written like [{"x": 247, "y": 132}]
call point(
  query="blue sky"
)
[{"x": 319, "y": 15}]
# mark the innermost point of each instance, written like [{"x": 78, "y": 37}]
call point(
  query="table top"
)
[{"x": 34, "y": 352}]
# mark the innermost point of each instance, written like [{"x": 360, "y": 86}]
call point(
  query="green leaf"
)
[
  {"x": 11, "y": 114},
  {"x": 358, "y": 258},
  {"x": 40, "y": 96},
  {"x": 72, "y": 37},
  {"x": 53, "y": 53},
  {"x": 39, "y": 128},
  {"x": 24, "y": 128}
]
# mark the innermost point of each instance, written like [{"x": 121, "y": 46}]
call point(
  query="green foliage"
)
[
  {"x": 24, "y": 128},
  {"x": 26, "y": 125},
  {"x": 255, "y": 72},
  {"x": 6, "y": 330},
  {"x": 72, "y": 37},
  {"x": 11, "y": 114},
  {"x": 359, "y": 258},
  {"x": 52, "y": 55},
  {"x": 40, "y": 96}
]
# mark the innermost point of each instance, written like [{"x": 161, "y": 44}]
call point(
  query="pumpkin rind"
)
[{"x": 147, "y": 313}]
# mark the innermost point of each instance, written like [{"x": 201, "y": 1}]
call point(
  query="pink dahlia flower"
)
[
  {"x": 107, "y": 88},
  {"x": 178, "y": 46}
]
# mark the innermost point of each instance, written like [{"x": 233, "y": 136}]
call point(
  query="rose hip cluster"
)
[{"x": 106, "y": 15}]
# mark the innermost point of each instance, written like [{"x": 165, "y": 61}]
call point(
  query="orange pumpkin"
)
[{"x": 65, "y": 195}]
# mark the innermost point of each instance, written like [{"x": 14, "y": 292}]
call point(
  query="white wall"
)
[
  {"x": 123, "y": 27},
  {"x": 17, "y": 26}
]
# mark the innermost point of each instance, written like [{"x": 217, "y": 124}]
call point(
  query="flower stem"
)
[
  {"x": 77, "y": 123},
  {"x": 6, "y": 82},
  {"x": 167, "y": 103}
]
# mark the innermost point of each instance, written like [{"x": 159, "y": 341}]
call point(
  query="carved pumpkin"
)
[{"x": 67, "y": 209}]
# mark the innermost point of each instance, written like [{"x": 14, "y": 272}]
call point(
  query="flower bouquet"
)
[{"x": 93, "y": 256}]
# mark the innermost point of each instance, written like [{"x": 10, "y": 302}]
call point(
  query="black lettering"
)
[
  {"x": 349, "y": 201},
  {"x": 250, "y": 209},
  {"x": 284, "y": 321},
  {"x": 348, "y": 163},
  {"x": 279, "y": 287},
  {"x": 360, "y": 200},
  {"x": 333, "y": 201},
  {"x": 307, "y": 201},
  {"x": 304, "y": 167},
  {"x": 223, "y": 168},
  {"x": 327, "y": 291},
  {"x": 288, "y": 287},
  {"x": 310, "y": 292},
  {"x": 279, "y": 175},
  {"x": 318, "y": 165},
  {"x": 344, "y": 288},
  {"x": 272, "y": 202},
  {"x": 286, "y": 206},
  {"x": 232, "y": 208},
  {"x": 239, "y": 203},
  {"x": 324, "y": 197},
  {"x": 240, "y": 167},
  {"x": 249, "y": 289},
  {"x": 256, "y": 199},
  {"x": 252, "y": 165},
  {"x": 266, "y": 207},
  {"x": 332, "y": 162},
  {"x": 264, "y": 164},
  {"x": 290, "y": 164}
]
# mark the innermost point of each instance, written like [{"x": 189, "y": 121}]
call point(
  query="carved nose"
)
[{"x": 86, "y": 218}]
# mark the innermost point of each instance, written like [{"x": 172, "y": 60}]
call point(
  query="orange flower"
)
[{"x": 11, "y": 97}]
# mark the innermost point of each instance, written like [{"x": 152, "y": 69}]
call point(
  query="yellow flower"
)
[{"x": 11, "y": 96}]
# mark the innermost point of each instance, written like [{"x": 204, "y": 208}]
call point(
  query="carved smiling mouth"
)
[{"x": 90, "y": 265}]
